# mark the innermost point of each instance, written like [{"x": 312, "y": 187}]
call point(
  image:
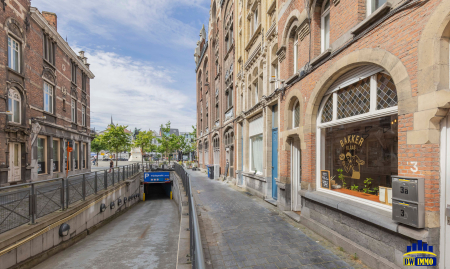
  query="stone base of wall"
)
[
  {"x": 255, "y": 186},
  {"x": 375, "y": 238}
]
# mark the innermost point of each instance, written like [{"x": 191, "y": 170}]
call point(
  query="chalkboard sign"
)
[{"x": 325, "y": 179}]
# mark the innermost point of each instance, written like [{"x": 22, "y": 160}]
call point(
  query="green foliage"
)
[
  {"x": 98, "y": 145},
  {"x": 367, "y": 184},
  {"x": 169, "y": 142},
  {"x": 144, "y": 141},
  {"x": 341, "y": 177},
  {"x": 373, "y": 190},
  {"x": 354, "y": 187},
  {"x": 116, "y": 139}
]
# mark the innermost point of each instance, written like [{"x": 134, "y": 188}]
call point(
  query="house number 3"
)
[{"x": 414, "y": 169}]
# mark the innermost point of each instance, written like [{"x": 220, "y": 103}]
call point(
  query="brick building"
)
[
  {"x": 214, "y": 60},
  {"x": 356, "y": 91},
  {"x": 47, "y": 89},
  {"x": 369, "y": 82}
]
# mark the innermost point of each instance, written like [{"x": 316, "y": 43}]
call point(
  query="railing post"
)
[
  {"x": 67, "y": 193},
  {"x": 105, "y": 182},
  {"x": 95, "y": 183},
  {"x": 62, "y": 193},
  {"x": 113, "y": 176},
  {"x": 32, "y": 204}
]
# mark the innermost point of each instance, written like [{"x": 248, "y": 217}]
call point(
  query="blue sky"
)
[{"x": 141, "y": 52}]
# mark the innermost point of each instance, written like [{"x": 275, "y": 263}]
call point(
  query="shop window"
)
[
  {"x": 325, "y": 25},
  {"x": 85, "y": 156},
  {"x": 13, "y": 54},
  {"x": 358, "y": 136},
  {"x": 55, "y": 155},
  {"x": 256, "y": 153},
  {"x": 48, "y": 97},
  {"x": 373, "y": 5},
  {"x": 42, "y": 154},
  {"x": 14, "y": 103},
  {"x": 76, "y": 155}
]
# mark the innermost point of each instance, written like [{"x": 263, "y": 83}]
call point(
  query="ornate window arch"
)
[
  {"x": 14, "y": 106},
  {"x": 357, "y": 134}
]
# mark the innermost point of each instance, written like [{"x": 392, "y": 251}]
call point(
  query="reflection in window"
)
[
  {"x": 41, "y": 155},
  {"x": 48, "y": 97},
  {"x": 14, "y": 106},
  {"x": 367, "y": 154}
]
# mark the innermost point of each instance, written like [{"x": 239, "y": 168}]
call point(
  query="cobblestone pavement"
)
[{"x": 240, "y": 231}]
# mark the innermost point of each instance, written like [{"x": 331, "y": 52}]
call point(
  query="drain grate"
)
[{"x": 249, "y": 194}]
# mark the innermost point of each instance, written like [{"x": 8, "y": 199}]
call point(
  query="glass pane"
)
[
  {"x": 275, "y": 117},
  {"x": 55, "y": 150},
  {"x": 327, "y": 31},
  {"x": 327, "y": 112},
  {"x": 257, "y": 153},
  {"x": 297, "y": 116},
  {"x": 75, "y": 152},
  {"x": 386, "y": 91},
  {"x": 362, "y": 156},
  {"x": 16, "y": 61},
  {"x": 16, "y": 111},
  {"x": 377, "y": 3},
  {"x": 50, "y": 104},
  {"x": 16, "y": 155},
  {"x": 10, "y": 108},
  {"x": 9, "y": 53},
  {"x": 41, "y": 155},
  {"x": 354, "y": 99}
]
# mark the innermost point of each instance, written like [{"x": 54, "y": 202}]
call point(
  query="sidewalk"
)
[{"x": 242, "y": 231}]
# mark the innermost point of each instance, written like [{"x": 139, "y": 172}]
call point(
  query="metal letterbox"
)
[
  {"x": 408, "y": 189},
  {"x": 408, "y": 213},
  {"x": 408, "y": 201}
]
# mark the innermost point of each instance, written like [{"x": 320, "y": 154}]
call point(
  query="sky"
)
[{"x": 142, "y": 55}]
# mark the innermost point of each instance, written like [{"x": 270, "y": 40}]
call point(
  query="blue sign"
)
[
  {"x": 420, "y": 254},
  {"x": 152, "y": 177}
]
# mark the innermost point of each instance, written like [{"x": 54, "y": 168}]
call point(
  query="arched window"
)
[
  {"x": 325, "y": 25},
  {"x": 296, "y": 115},
  {"x": 358, "y": 135},
  {"x": 14, "y": 104}
]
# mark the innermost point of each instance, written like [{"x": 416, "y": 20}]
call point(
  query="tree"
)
[
  {"x": 116, "y": 139},
  {"x": 144, "y": 141},
  {"x": 98, "y": 145},
  {"x": 169, "y": 142}
]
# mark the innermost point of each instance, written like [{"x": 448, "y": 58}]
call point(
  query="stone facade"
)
[
  {"x": 214, "y": 59},
  {"x": 40, "y": 90}
]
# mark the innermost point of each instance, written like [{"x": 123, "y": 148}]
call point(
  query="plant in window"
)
[
  {"x": 367, "y": 184},
  {"x": 341, "y": 177},
  {"x": 354, "y": 187}
]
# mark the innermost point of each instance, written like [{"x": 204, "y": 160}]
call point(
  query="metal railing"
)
[
  {"x": 196, "y": 250},
  {"x": 25, "y": 203}
]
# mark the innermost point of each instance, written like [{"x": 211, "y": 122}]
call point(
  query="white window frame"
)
[
  {"x": 13, "y": 46},
  {"x": 83, "y": 115},
  {"x": 295, "y": 56},
  {"x": 320, "y": 137},
  {"x": 323, "y": 34},
  {"x": 297, "y": 103},
  {"x": 251, "y": 153},
  {"x": 14, "y": 96},
  {"x": 369, "y": 8},
  {"x": 48, "y": 98},
  {"x": 73, "y": 110}
]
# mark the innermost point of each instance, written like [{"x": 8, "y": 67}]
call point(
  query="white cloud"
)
[
  {"x": 152, "y": 19},
  {"x": 135, "y": 93}
]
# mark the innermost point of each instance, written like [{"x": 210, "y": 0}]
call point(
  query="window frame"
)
[
  {"x": 295, "y": 56},
  {"x": 49, "y": 94},
  {"x": 11, "y": 118},
  {"x": 297, "y": 103},
  {"x": 45, "y": 154},
  {"x": 11, "y": 63},
  {"x": 251, "y": 153},
  {"x": 73, "y": 110},
  {"x": 323, "y": 34},
  {"x": 320, "y": 136},
  {"x": 83, "y": 115},
  {"x": 369, "y": 7},
  {"x": 57, "y": 158}
]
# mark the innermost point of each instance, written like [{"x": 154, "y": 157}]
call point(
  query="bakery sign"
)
[{"x": 350, "y": 161}]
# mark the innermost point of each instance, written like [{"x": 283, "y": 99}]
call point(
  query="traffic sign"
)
[{"x": 153, "y": 177}]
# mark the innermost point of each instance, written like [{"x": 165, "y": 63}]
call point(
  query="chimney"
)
[{"x": 51, "y": 18}]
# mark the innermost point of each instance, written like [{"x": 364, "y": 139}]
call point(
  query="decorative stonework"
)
[
  {"x": 73, "y": 92},
  {"x": 304, "y": 31},
  {"x": 281, "y": 53},
  {"x": 14, "y": 27}
]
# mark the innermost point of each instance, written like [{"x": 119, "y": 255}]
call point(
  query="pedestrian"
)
[{"x": 111, "y": 165}]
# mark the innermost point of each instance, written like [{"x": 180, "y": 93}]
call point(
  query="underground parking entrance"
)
[{"x": 157, "y": 185}]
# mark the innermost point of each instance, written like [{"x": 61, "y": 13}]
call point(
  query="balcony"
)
[{"x": 229, "y": 114}]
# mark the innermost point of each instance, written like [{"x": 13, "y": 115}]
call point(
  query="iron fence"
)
[
  {"x": 196, "y": 250},
  {"x": 25, "y": 203}
]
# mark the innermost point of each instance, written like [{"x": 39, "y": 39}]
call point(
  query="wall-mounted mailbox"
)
[{"x": 408, "y": 201}]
